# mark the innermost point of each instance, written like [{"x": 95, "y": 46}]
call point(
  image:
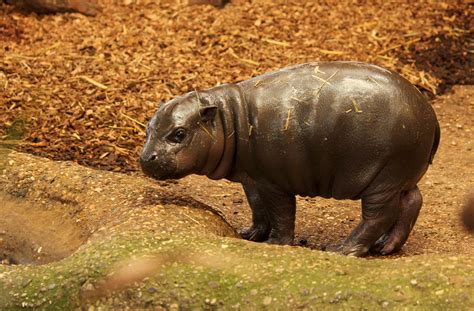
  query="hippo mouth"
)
[
  {"x": 159, "y": 173},
  {"x": 165, "y": 176}
]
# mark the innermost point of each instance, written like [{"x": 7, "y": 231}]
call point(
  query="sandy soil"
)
[{"x": 32, "y": 234}]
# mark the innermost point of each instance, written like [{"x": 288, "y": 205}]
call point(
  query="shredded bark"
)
[{"x": 86, "y": 85}]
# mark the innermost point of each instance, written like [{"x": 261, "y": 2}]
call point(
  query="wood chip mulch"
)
[{"x": 81, "y": 88}]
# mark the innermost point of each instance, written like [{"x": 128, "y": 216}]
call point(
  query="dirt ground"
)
[
  {"x": 143, "y": 246},
  {"x": 35, "y": 235},
  {"x": 81, "y": 88}
]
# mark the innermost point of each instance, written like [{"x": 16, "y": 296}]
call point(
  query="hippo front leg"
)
[
  {"x": 260, "y": 229},
  {"x": 273, "y": 214},
  {"x": 282, "y": 211}
]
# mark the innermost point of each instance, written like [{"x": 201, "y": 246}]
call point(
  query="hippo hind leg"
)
[
  {"x": 379, "y": 213},
  {"x": 410, "y": 204}
]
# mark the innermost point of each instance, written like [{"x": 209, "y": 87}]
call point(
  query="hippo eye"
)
[{"x": 177, "y": 136}]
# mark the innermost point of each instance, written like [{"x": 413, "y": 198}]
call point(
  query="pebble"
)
[
  {"x": 26, "y": 282},
  {"x": 237, "y": 200},
  {"x": 267, "y": 300},
  {"x": 304, "y": 291}
]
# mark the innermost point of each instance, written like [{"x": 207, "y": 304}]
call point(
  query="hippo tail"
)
[{"x": 436, "y": 142}]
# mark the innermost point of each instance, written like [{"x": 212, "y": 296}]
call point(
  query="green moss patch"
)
[{"x": 209, "y": 272}]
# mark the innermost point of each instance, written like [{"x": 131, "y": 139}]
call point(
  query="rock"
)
[
  {"x": 26, "y": 282},
  {"x": 267, "y": 301},
  {"x": 237, "y": 200}
]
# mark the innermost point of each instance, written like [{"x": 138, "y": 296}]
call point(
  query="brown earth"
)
[
  {"x": 31, "y": 234},
  {"x": 81, "y": 89}
]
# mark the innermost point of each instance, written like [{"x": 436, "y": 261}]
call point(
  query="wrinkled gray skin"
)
[{"x": 343, "y": 130}]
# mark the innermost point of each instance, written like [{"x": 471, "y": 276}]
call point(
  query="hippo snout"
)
[
  {"x": 145, "y": 159},
  {"x": 149, "y": 163},
  {"x": 157, "y": 165}
]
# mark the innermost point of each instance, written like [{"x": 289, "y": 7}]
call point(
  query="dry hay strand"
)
[
  {"x": 356, "y": 106},
  {"x": 287, "y": 121},
  {"x": 324, "y": 83}
]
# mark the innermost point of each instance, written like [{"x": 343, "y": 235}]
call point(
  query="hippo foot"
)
[
  {"x": 280, "y": 239},
  {"x": 333, "y": 248},
  {"x": 379, "y": 245},
  {"x": 354, "y": 250},
  {"x": 256, "y": 233},
  {"x": 357, "y": 250},
  {"x": 284, "y": 241}
]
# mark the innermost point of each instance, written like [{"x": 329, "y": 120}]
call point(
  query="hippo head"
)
[{"x": 183, "y": 138}]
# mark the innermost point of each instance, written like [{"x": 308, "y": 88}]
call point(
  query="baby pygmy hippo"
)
[{"x": 343, "y": 130}]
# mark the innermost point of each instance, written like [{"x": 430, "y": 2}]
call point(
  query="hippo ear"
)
[{"x": 208, "y": 113}]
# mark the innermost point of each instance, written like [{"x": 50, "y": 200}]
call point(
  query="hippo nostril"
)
[{"x": 144, "y": 158}]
